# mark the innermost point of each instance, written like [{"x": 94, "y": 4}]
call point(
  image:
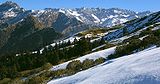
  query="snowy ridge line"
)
[{"x": 137, "y": 68}]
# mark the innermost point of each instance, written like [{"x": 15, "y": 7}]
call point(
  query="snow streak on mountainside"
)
[{"x": 139, "y": 68}]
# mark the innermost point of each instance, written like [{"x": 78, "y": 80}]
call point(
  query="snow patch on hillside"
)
[
  {"x": 74, "y": 13},
  {"x": 62, "y": 11},
  {"x": 96, "y": 18},
  {"x": 116, "y": 11},
  {"x": 9, "y": 14},
  {"x": 79, "y": 19}
]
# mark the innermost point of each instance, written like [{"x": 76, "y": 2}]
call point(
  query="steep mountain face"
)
[
  {"x": 27, "y": 35},
  {"x": 8, "y": 11},
  {"x": 5, "y": 34},
  {"x": 46, "y": 16},
  {"x": 68, "y": 25}
]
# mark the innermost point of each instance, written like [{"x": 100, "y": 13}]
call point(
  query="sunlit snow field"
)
[{"x": 139, "y": 68}]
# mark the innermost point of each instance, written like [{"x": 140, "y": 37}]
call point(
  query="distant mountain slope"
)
[
  {"x": 103, "y": 17},
  {"x": 134, "y": 25}
]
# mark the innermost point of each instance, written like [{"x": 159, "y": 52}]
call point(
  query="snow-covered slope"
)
[
  {"x": 139, "y": 68},
  {"x": 134, "y": 25},
  {"x": 94, "y": 56}
]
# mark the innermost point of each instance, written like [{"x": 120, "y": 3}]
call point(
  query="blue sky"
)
[{"x": 136, "y": 5}]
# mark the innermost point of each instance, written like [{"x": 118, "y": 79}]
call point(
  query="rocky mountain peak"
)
[{"x": 8, "y": 5}]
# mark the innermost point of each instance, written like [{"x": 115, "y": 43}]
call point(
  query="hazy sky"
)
[{"x": 136, "y": 5}]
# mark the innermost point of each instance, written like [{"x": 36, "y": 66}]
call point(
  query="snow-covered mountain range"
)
[
  {"x": 101, "y": 16},
  {"x": 11, "y": 13}
]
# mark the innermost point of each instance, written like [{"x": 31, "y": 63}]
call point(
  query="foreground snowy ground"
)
[{"x": 138, "y": 68}]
